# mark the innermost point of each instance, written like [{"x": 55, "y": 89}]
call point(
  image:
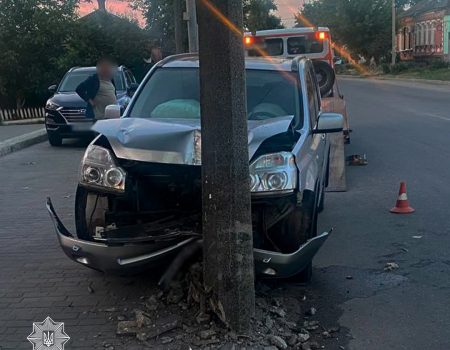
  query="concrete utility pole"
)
[
  {"x": 191, "y": 18},
  {"x": 178, "y": 18},
  {"x": 394, "y": 34},
  {"x": 227, "y": 225}
]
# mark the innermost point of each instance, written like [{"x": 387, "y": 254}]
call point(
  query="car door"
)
[{"x": 318, "y": 141}]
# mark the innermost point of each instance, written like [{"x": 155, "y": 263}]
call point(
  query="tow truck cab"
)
[{"x": 313, "y": 43}]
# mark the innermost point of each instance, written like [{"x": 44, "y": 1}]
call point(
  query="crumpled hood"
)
[{"x": 174, "y": 141}]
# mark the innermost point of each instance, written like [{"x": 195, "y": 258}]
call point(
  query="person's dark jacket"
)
[{"x": 87, "y": 90}]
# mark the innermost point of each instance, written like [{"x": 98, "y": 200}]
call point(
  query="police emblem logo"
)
[{"x": 48, "y": 335}]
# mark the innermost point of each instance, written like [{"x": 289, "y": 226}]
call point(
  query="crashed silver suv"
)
[{"x": 138, "y": 201}]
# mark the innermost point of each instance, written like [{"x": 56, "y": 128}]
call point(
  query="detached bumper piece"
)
[
  {"x": 116, "y": 258},
  {"x": 273, "y": 264}
]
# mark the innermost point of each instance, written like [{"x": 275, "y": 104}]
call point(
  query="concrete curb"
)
[
  {"x": 23, "y": 121},
  {"x": 407, "y": 80},
  {"x": 19, "y": 142}
]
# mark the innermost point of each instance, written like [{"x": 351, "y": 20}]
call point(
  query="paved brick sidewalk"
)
[
  {"x": 36, "y": 279},
  {"x": 10, "y": 131}
]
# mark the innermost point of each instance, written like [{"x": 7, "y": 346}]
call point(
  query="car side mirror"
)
[
  {"x": 328, "y": 123},
  {"x": 52, "y": 88},
  {"x": 132, "y": 89},
  {"x": 112, "y": 112}
]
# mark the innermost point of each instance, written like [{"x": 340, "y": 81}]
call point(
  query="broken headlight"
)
[
  {"x": 99, "y": 169},
  {"x": 273, "y": 172}
]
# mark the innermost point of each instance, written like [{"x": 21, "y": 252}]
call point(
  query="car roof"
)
[
  {"x": 90, "y": 69},
  {"x": 289, "y": 31},
  {"x": 257, "y": 63}
]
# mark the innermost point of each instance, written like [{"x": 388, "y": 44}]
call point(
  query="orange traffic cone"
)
[{"x": 402, "y": 206}]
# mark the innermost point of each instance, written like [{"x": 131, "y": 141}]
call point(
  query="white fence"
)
[{"x": 7, "y": 115}]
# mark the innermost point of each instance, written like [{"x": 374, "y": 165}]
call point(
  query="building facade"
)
[{"x": 424, "y": 31}]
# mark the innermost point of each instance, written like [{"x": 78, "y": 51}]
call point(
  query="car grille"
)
[{"x": 74, "y": 115}]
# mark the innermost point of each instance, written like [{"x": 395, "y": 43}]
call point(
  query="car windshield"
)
[
  {"x": 73, "y": 79},
  {"x": 175, "y": 93}
]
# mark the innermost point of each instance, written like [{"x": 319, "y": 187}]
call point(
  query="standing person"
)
[
  {"x": 99, "y": 90},
  {"x": 155, "y": 53}
]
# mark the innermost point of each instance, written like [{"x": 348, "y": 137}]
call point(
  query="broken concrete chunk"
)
[
  {"x": 278, "y": 311},
  {"x": 278, "y": 342},
  {"x": 175, "y": 296},
  {"x": 166, "y": 340},
  {"x": 390, "y": 266},
  {"x": 311, "y": 312},
  {"x": 303, "y": 337},
  {"x": 292, "y": 340},
  {"x": 127, "y": 328},
  {"x": 269, "y": 322},
  {"x": 207, "y": 333},
  {"x": 202, "y": 318},
  {"x": 311, "y": 325},
  {"x": 142, "y": 320}
]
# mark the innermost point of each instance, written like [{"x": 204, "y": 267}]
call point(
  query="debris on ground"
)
[
  {"x": 277, "y": 341},
  {"x": 391, "y": 266},
  {"x": 311, "y": 312},
  {"x": 184, "y": 318},
  {"x": 357, "y": 159}
]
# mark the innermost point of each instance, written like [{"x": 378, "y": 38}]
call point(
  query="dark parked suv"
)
[{"x": 65, "y": 111}]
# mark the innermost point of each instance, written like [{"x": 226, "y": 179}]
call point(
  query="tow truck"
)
[{"x": 313, "y": 43}]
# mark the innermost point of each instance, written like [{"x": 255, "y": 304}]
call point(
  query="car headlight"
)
[
  {"x": 273, "y": 172},
  {"x": 99, "y": 169},
  {"x": 52, "y": 106}
]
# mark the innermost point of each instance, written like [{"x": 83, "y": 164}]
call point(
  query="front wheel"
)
[{"x": 54, "y": 138}]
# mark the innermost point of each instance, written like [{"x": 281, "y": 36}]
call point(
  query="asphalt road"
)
[{"x": 402, "y": 127}]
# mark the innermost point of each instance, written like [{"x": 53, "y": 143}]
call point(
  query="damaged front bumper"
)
[
  {"x": 118, "y": 258},
  {"x": 274, "y": 264}
]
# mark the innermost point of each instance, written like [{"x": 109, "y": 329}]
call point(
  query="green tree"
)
[
  {"x": 32, "y": 33},
  {"x": 104, "y": 34},
  {"x": 363, "y": 27},
  {"x": 259, "y": 15}
]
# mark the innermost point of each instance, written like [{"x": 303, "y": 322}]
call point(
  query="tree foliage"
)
[
  {"x": 364, "y": 27},
  {"x": 41, "y": 39},
  {"x": 159, "y": 15},
  {"x": 259, "y": 15},
  {"x": 105, "y": 34},
  {"x": 32, "y": 34}
]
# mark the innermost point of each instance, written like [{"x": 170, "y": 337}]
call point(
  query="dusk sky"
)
[{"x": 286, "y": 9}]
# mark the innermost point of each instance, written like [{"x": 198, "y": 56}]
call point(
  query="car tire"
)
[
  {"x": 326, "y": 76},
  {"x": 54, "y": 139}
]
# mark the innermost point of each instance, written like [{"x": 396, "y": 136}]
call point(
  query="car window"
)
[
  {"x": 73, "y": 79},
  {"x": 303, "y": 45},
  {"x": 175, "y": 93},
  {"x": 274, "y": 47},
  {"x": 313, "y": 102},
  {"x": 130, "y": 76},
  {"x": 271, "y": 47}
]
